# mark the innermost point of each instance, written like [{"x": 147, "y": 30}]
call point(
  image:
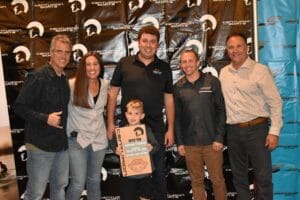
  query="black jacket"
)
[
  {"x": 43, "y": 93},
  {"x": 200, "y": 111}
]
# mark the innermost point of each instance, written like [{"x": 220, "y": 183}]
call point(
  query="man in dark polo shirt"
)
[
  {"x": 148, "y": 78},
  {"x": 43, "y": 103}
]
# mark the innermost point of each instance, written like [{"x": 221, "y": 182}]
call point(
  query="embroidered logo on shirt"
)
[
  {"x": 205, "y": 90},
  {"x": 157, "y": 71}
]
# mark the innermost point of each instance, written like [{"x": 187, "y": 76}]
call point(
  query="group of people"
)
[{"x": 66, "y": 135}]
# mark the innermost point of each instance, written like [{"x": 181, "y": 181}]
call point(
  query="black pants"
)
[
  {"x": 159, "y": 174},
  {"x": 133, "y": 188},
  {"x": 246, "y": 144}
]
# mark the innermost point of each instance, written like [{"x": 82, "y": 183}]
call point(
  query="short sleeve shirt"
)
[{"x": 147, "y": 83}]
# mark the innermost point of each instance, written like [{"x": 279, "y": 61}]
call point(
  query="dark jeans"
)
[{"x": 246, "y": 144}]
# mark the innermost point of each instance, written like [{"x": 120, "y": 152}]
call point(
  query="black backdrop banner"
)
[{"x": 110, "y": 27}]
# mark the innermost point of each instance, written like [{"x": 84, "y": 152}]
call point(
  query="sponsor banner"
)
[
  {"x": 279, "y": 49},
  {"x": 92, "y": 22},
  {"x": 110, "y": 27},
  {"x": 110, "y": 44}
]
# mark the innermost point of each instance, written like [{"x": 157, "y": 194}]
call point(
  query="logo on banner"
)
[
  {"x": 78, "y": 51},
  {"x": 211, "y": 70},
  {"x": 151, "y": 20},
  {"x": 133, "y": 48},
  {"x": 192, "y": 3},
  {"x": 20, "y": 6},
  {"x": 104, "y": 174},
  {"x": 249, "y": 44},
  {"x": 134, "y": 5},
  {"x": 22, "y": 54},
  {"x": 92, "y": 27},
  {"x": 247, "y": 2},
  {"x": 23, "y": 154},
  {"x": 33, "y": 26},
  {"x": 77, "y": 5},
  {"x": 206, "y": 26},
  {"x": 196, "y": 45}
]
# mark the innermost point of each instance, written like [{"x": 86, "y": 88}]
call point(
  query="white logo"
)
[
  {"x": 157, "y": 72},
  {"x": 133, "y": 48},
  {"x": 90, "y": 26},
  {"x": 74, "y": 5},
  {"x": 151, "y": 20},
  {"x": 19, "y": 50},
  {"x": 205, "y": 25},
  {"x": 133, "y": 6},
  {"x": 189, "y": 4},
  {"x": 78, "y": 51},
  {"x": 247, "y": 2},
  {"x": 195, "y": 45},
  {"x": 22, "y": 151},
  {"x": 17, "y": 8},
  {"x": 104, "y": 174},
  {"x": 211, "y": 70},
  {"x": 39, "y": 26},
  {"x": 249, "y": 44}
]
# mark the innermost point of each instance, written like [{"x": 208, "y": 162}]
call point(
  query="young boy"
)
[{"x": 139, "y": 186}]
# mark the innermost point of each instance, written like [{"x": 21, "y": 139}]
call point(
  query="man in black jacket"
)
[
  {"x": 200, "y": 125},
  {"x": 42, "y": 103}
]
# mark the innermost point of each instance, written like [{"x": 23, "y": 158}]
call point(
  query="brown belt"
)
[{"x": 252, "y": 122}]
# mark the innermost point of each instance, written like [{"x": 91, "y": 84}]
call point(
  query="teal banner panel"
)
[{"x": 279, "y": 48}]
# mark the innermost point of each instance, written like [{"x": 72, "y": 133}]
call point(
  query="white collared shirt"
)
[{"x": 250, "y": 92}]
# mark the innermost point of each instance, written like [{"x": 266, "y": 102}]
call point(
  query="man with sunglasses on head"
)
[{"x": 43, "y": 103}]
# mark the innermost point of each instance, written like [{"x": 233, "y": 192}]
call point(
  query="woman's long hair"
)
[{"x": 81, "y": 87}]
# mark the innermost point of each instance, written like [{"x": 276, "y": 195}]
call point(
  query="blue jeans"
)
[
  {"x": 85, "y": 166},
  {"x": 43, "y": 166}
]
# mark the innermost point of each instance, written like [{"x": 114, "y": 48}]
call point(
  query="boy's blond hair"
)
[{"x": 136, "y": 104}]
